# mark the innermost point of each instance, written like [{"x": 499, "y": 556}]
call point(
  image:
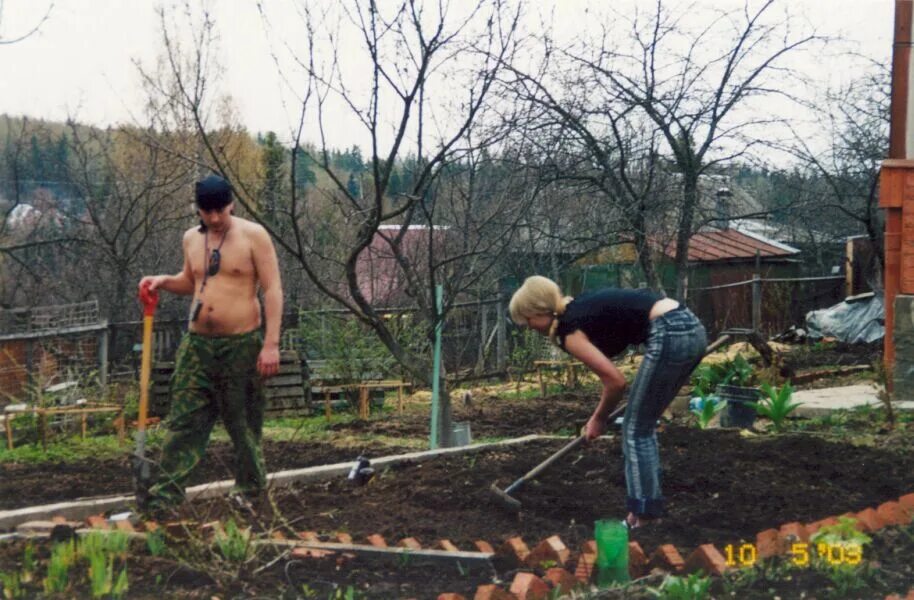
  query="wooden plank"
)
[
  {"x": 284, "y": 392},
  {"x": 402, "y": 555}
]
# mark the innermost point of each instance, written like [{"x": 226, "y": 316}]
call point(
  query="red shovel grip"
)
[{"x": 150, "y": 300}]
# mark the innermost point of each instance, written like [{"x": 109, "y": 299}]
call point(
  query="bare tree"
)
[
  {"x": 416, "y": 101},
  {"x": 842, "y": 160},
  {"x": 701, "y": 87},
  {"x": 30, "y": 31},
  {"x": 131, "y": 194}
]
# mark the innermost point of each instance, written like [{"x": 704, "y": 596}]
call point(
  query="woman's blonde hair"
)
[{"x": 538, "y": 296}]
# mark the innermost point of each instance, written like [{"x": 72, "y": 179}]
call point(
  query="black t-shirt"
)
[{"x": 612, "y": 319}]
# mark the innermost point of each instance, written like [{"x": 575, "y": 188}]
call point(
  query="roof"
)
[{"x": 731, "y": 244}]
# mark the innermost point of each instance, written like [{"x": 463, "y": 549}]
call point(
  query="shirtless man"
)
[{"x": 223, "y": 358}]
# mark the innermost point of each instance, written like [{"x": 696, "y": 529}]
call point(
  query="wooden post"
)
[
  {"x": 9, "y": 430},
  {"x": 539, "y": 372},
  {"x": 501, "y": 339},
  {"x": 103, "y": 358},
  {"x": 757, "y": 294},
  {"x": 83, "y": 422},
  {"x": 363, "y": 402},
  {"x": 328, "y": 410},
  {"x": 43, "y": 428},
  {"x": 400, "y": 399}
]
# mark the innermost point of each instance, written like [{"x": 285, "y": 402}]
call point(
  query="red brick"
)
[
  {"x": 561, "y": 580},
  {"x": 893, "y": 597},
  {"x": 492, "y": 592},
  {"x": 514, "y": 550},
  {"x": 637, "y": 560},
  {"x": 789, "y": 534},
  {"x": 98, "y": 522},
  {"x": 585, "y": 569},
  {"x": 766, "y": 543},
  {"x": 552, "y": 549},
  {"x": 410, "y": 542},
  {"x": 907, "y": 501},
  {"x": 308, "y": 536},
  {"x": 667, "y": 557},
  {"x": 450, "y": 596},
  {"x": 708, "y": 559},
  {"x": 312, "y": 553},
  {"x": 893, "y": 513},
  {"x": 124, "y": 525},
  {"x": 278, "y": 535},
  {"x": 814, "y": 527},
  {"x": 343, "y": 537},
  {"x": 376, "y": 540},
  {"x": 589, "y": 547},
  {"x": 484, "y": 546},
  {"x": 527, "y": 586},
  {"x": 446, "y": 545},
  {"x": 870, "y": 520}
]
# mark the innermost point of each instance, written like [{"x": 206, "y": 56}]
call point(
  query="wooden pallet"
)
[{"x": 286, "y": 392}]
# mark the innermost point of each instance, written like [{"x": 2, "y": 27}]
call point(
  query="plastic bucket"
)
[
  {"x": 460, "y": 434},
  {"x": 612, "y": 552},
  {"x": 738, "y": 412}
]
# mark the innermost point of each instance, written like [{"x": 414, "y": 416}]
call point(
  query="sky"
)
[{"x": 81, "y": 61}]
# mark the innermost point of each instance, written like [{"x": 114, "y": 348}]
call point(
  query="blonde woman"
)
[{"x": 599, "y": 325}]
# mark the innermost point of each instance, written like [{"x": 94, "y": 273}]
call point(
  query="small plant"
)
[
  {"x": 63, "y": 556},
  {"x": 776, "y": 405},
  {"x": 708, "y": 377},
  {"x": 12, "y": 585},
  {"x": 234, "y": 543},
  {"x": 29, "y": 564},
  {"x": 693, "y": 587},
  {"x": 707, "y": 411},
  {"x": 349, "y": 593},
  {"x": 842, "y": 533},
  {"x": 155, "y": 543}
]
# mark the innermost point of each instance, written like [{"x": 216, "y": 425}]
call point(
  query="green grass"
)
[{"x": 73, "y": 449}]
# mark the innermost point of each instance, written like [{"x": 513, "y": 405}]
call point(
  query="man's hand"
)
[
  {"x": 594, "y": 428},
  {"x": 153, "y": 282},
  {"x": 268, "y": 360}
]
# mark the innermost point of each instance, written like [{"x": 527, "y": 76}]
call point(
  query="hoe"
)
[{"x": 505, "y": 496}]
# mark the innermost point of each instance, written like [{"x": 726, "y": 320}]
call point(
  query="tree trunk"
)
[{"x": 684, "y": 233}]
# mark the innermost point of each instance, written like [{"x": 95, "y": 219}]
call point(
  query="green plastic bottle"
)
[{"x": 612, "y": 552}]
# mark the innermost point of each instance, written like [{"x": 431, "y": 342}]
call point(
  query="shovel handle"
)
[{"x": 150, "y": 300}]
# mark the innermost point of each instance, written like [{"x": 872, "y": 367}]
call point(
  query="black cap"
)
[{"x": 213, "y": 193}]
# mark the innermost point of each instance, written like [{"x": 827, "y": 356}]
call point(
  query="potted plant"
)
[{"x": 738, "y": 389}]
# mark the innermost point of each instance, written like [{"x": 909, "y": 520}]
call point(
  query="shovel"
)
[
  {"x": 505, "y": 498},
  {"x": 140, "y": 464}
]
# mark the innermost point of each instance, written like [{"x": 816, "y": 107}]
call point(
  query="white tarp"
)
[{"x": 859, "y": 319}]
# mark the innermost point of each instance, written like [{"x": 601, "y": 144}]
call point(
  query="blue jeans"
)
[{"x": 675, "y": 345}]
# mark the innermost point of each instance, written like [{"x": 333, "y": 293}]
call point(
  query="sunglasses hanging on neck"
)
[{"x": 215, "y": 258}]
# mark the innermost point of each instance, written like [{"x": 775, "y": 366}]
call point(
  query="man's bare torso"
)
[{"x": 229, "y": 299}]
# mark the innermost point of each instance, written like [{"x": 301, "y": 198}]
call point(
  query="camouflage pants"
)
[{"x": 213, "y": 377}]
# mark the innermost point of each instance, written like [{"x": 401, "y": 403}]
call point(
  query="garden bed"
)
[{"x": 723, "y": 487}]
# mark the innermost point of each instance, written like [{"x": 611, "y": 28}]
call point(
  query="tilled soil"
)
[
  {"x": 29, "y": 484},
  {"x": 721, "y": 487}
]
